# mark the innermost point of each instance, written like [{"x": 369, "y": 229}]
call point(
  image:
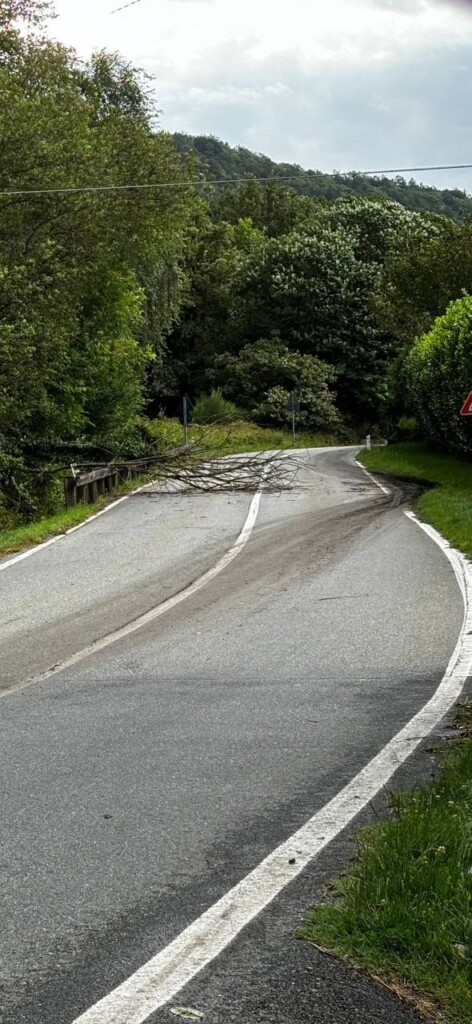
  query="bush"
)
[
  {"x": 438, "y": 378},
  {"x": 164, "y": 433},
  {"x": 263, "y": 375},
  {"x": 406, "y": 429},
  {"x": 26, "y": 494},
  {"x": 214, "y": 408}
]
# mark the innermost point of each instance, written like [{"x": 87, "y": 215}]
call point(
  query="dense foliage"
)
[
  {"x": 89, "y": 282},
  {"x": 297, "y": 272},
  {"x": 262, "y": 377},
  {"x": 438, "y": 376}
]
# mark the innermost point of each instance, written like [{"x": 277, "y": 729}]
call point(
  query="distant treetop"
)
[{"x": 219, "y": 161}]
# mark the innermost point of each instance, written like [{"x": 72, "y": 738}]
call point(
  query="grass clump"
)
[
  {"x": 213, "y": 408},
  {"x": 404, "y": 912}
]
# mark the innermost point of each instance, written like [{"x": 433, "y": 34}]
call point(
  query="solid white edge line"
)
[
  {"x": 376, "y": 482},
  {"x": 154, "y": 613},
  {"x": 72, "y": 529},
  {"x": 172, "y": 968}
]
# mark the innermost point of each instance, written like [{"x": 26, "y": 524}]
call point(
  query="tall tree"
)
[
  {"x": 214, "y": 254},
  {"x": 419, "y": 283},
  {"x": 312, "y": 292},
  {"x": 89, "y": 281}
]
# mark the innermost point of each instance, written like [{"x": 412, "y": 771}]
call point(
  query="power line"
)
[
  {"x": 405, "y": 170},
  {"x": 104, "y": 188},
  {"x": 136, "y": 187},
  {"x": 123, "y": 8},
  {"x": 204, "y": 182}
]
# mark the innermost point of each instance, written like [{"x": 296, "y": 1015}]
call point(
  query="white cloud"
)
[{"x": 352, "y": 83}]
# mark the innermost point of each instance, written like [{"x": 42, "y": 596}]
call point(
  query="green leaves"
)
[
  {"x": 438, "y": 377},
  {"x": 89, "y": 283},
  {"x": 311, "y": 290},
  {"x": 262, "y": 376}
]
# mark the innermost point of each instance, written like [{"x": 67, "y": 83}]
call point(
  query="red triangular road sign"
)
[{"x": 467, "y": 407}]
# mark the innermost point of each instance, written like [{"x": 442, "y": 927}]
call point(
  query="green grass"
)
[
  {"x": 18, "y": 538},
  {"x": 404, "y": 911},
  {"x": 235, "y": 438},
  {"x": 448, "y": 505}
]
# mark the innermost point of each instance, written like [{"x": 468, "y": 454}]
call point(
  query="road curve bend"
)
[{"x": 145, "y": 781}]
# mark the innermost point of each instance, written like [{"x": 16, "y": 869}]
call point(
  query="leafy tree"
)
[
  {"x": 312, "y": 292},
  {"x": 273, "y": 208},
  {"x": 262, "y": 376},
  {"x": 90, "y": 282},
  {"x": 213, "y": 255},
  {"x": 419, "y": 283},
  {"x": 381, "y": 228},
  {"x": 13, "y": 16},
  {"x": 438, "y": 375}
]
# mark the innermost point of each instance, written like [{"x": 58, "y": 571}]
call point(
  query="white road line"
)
[
  {"x": 376, "y": 482},
  {"x": 172, "y": 968},
  {"x": 154, "y": 613},
  {"x": 73, "y": 529}
]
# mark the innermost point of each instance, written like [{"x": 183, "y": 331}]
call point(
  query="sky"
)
[{"x": 328, "y": 84}]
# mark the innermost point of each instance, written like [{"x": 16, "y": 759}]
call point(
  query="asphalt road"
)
[{"x": 143, "y": 783}]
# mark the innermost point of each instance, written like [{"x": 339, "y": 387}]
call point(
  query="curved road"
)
[{"x": 143, "y": 783}]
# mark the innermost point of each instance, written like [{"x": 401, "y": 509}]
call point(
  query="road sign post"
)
[
  {"x": 294, "y": 407},
  {"x": 185, "y": 418},
  {"x": 185, "y": 414}
]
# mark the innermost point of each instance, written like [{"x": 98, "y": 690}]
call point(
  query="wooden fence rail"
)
[{"x": 88, "y": 487}]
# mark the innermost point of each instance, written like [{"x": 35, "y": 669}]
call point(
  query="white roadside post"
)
[{"x": 368, "y": 442}]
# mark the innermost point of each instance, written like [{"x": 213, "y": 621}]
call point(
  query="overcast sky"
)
[{"x": 329, "y": 84}]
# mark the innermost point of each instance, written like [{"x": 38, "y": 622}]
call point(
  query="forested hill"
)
[{"x": 218, "y": 161}]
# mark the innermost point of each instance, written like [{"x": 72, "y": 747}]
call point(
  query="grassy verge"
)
[
  {"x": 235, "y": 438},
  {"x": 404, "y": 912},
  {"x": 18, "y": 538},
  {"x": 448, "y": 505}
]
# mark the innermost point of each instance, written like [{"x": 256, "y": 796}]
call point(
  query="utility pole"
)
[
  {"x": 185, "y": 418},
  {"x": 294, "y": 407}
]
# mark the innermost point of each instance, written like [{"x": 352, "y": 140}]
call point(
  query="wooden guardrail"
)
[{"x": 89, "y": 486}]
